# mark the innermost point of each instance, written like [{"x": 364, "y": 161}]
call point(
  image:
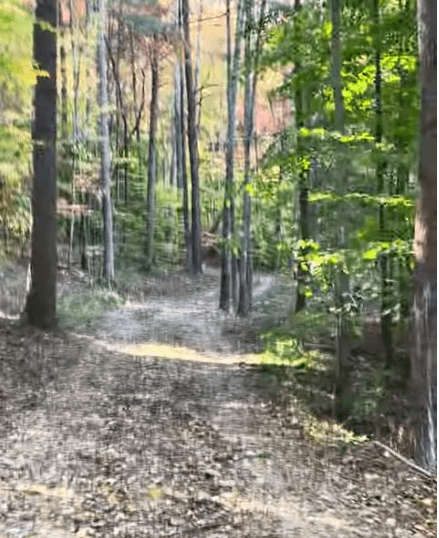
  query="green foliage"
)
[
  {"x": 130, "y": 221},
  {"x": 85, "y": 310},
  {"x": 16, "y": 79},
  {"x": 17, "y": 75}
]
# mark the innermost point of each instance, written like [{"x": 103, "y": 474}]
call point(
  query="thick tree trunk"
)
[
  {"x": 107, "y": 210},
  {"x": 424, "y": 311},
  {"x": 152, "y": 156},
  {"x": 232, "y": 85},
  {"x": 41, "y": 301},
  {"x": 193, "y": 145}
]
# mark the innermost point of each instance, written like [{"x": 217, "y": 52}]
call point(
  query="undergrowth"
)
[
  {"x": 85, "y": 310},
  {"x": 309, "y": 374}
]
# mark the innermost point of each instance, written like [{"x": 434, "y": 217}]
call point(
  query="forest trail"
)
[
  {"x": 99, "y": 442},
  {"x": 181, "y": 315}
]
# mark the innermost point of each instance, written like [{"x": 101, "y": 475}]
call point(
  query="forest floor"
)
[{"x": 154, "y": 423}]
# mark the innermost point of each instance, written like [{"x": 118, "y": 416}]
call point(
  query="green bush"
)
[{"x": 85, "y": 310}]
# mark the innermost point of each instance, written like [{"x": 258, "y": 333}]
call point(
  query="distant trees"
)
[{"x": 41, "y": 301}]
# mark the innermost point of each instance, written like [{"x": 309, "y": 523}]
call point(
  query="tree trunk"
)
[
  {"x": 244, "y": 300},
  {"x": 41, "y": 301},
  {"x": 62, "y": 56},
  {"x": 181, "y": 148},
  {"x": 76, "y": 71},
  {"x": 88, "y": 77},
  {"x": 232, "y": 84},
  {"x": 245, "y": 289},
  {"x": 107, "y": 210},
  {"x": 152, "y": 156},
  {"x": 424, "y": 310},
  {"x": 197, "y": 84},
  {"x": 303, "y": 191},
  {"x": 193, "y": 145},
  {"x": 343, "y": 385},
  {"x": 336, "y": 65},
  {"x": 173, "y": 164},
  {"x": 303, "y": 229},
  {"x": 183, "y": 173},
  {"x": 386, "y": 316}
]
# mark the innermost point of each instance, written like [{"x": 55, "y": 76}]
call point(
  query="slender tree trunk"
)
[
  {"x": 76, "y": 71},
  {"x": 303, "y": 204},
  {"x": 386, "y": 316},
  {"x": 336, "y": 55},
  {"x": 152, "y": 155},
  {"x": 41, "y": 301},
  {"x": 193, "y": 145},
  {"x": 197, "y": 84},
  {"x": 62, "y": 57},
  {"x": 107, "y": 210},
  {"x": 244, "y": 299},
  {"x": 245, "y": 289},
  {"x": 136, "y": 107},
  {"x": 342, "y": 383},
  {"x": 173, "y": 164},
  {"x": 183, "y": 172},
  {"x": 303, "y": 191},
  {"x": 424, "y": 310},
  {"x": 232, "y": 84},
  {"x": 181, "y": 146},
  {"x": 88, "y": 11}
]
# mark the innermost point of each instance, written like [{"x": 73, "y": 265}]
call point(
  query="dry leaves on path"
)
[{"x": 94, "y": 442}]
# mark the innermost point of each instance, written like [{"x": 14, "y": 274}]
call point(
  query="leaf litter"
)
[{"x": 97, "y": 440}]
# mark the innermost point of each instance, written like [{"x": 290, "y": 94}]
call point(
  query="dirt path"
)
[
  {"x": 184, "y": 312},
  {"x": 95, "y": 442}
]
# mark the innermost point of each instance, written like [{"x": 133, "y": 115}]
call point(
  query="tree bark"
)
[
  {"x": 193, "y": 145},
  {"x": 41, "y": 301},
  {"x": 87, "y": 131},
  {"x": 424, "y": 310},
  {"x": 343, "y": 385},
  {"x": 152, "y": 155},
  {"x": 232, "y": 84},
  {"x": 197, "y": 75},
  {"x": 107, "y": 210},
  {"x": 303, "y": 190},
  {"x": 62, "y": 55},
  {"x": 386, "y": 316},
  {"x": 245, "y": 289},
  {"x": 336, "y": 54},
  {"x": 181, "y": 162},
  {"x": 76, "y": 71}
]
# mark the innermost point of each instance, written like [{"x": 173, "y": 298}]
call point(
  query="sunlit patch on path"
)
[{"x": 181, "y": 352}]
